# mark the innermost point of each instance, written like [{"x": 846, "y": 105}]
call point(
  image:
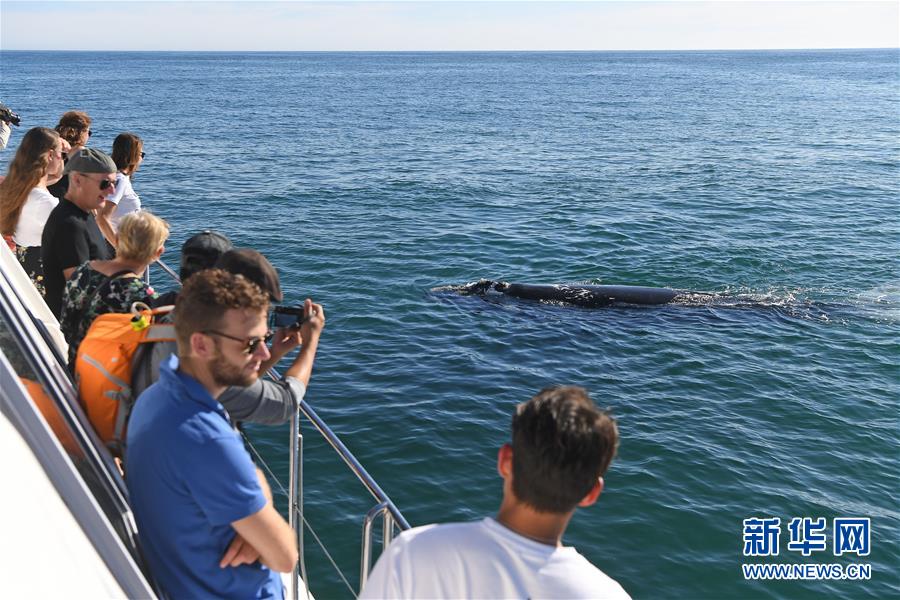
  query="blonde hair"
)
[{"x": 141, "y": 234}]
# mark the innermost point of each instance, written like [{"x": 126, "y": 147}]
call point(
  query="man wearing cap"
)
[
  {"x": 71, "y": 235},
  {"x": 200, "y": 251}
]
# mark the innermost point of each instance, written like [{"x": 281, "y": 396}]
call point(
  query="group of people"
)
[
  {"x": 62, "y": 202},
  {"x": 206, "y": 519}
]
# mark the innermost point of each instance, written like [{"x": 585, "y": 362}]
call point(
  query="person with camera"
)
[
  {"x": 264, "y": 401},
  {"x": 7, "y": 118}
]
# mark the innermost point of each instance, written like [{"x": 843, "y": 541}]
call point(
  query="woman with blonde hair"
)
[
  {"x": 25, "y": 203},
  {"x": 128, "y": 154},
  {"x": 103, "y": 286}
]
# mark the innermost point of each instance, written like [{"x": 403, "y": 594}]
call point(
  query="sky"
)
[{"x": 408, "y": 26}]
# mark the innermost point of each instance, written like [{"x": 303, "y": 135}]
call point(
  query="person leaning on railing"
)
[
  {"x": 194, "y": 489},
  {"x": 263, "y": 401},
  {"x": 128, "y": 154}
]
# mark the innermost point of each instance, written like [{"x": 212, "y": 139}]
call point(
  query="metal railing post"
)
[
  {"x": 366, "y": 558},
  {"x": 350, "y": 460},
  {"x": 167, "y": 269},
  {"x": 295, "y": 512},
  {"x": 387, "y": 534}
]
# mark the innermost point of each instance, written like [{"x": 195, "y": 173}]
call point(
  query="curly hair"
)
[
  {"x": 25, "y": 171},
  {"x": 561, "y": 444},
  {"x": 205, "y": 298},
  {"x": 72, "y": 125}
]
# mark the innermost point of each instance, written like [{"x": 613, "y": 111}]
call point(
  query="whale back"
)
[{"x": 589, "y": 295}]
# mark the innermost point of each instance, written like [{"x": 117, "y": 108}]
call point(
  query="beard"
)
[{"x": 226, "y": 374}]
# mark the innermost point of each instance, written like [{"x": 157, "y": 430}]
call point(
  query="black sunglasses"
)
[
  {"x": 143, "y": 154},
  {"x": 90, "y": 132},
  {"x": 103, "y": 183},
  {"x": 250, "y": 344}
]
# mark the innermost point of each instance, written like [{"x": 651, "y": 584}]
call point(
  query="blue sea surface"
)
[{"x": 375, "y": 180}]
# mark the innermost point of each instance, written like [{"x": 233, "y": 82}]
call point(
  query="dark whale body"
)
[{"x": 590, "y": 296}]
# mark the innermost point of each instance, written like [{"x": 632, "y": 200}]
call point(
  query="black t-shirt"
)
[
  {"x": 60, "y": 188},
  {"x": 70, "y": 237}
]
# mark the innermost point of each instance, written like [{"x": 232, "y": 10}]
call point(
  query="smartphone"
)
[{"x": 287, "y": 316}]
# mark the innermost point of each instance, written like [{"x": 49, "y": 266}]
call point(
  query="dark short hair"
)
[
  {"x": 205, "y": 298},
  {"x": 126, "y": 152},
  {"x": 561, "y": 444}
]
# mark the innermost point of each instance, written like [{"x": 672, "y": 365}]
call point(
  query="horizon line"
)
[{"x": 495, "y": 51}]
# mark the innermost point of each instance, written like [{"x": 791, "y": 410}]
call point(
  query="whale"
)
[{"x": 588, "y": 296}]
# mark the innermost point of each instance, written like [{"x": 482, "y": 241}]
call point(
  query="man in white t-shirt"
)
[{"x": 562, "y": 444}]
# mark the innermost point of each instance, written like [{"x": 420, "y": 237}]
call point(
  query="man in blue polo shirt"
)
[{"x": 194, "y": 489}]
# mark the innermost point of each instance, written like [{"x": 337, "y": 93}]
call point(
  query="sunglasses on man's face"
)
[
  {"x": 90, "y": 132},
  {"x": 104, "y": 184},
  {"x": 143, "y": 154},
  {"x": 250, "y": 344}
]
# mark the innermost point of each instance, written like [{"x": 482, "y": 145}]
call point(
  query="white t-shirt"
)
[
  {"x": 483, "y": 559},
  {"x": 34, "y": 216},
  {"x": 125, "y": 199}
]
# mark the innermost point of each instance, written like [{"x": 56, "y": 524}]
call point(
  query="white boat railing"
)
[{"x": 80, "y": 467}]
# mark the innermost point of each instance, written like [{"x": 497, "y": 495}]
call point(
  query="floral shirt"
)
[
  {"x": 82, "y": 303},
  {"x": 30, "y": 259}
]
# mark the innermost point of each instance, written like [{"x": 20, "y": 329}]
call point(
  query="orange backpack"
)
[{"x": 106, "y": 357}]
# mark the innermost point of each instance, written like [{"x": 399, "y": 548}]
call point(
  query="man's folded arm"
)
[{"x": 272, "y": 537}]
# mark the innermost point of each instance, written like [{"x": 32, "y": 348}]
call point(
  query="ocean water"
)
[{"x": 374, "y": 180}]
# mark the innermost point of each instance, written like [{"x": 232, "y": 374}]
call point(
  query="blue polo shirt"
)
[{"x": 189, "y": 478}]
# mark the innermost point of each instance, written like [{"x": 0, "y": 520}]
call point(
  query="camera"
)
[
  {"x": 287, "y": 316},
  {"x": 9, "y": 116}
]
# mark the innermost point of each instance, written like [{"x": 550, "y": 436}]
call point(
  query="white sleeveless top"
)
[
  {"x": 125, "y": 199},
  {"x": 34, "y": 216}
]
